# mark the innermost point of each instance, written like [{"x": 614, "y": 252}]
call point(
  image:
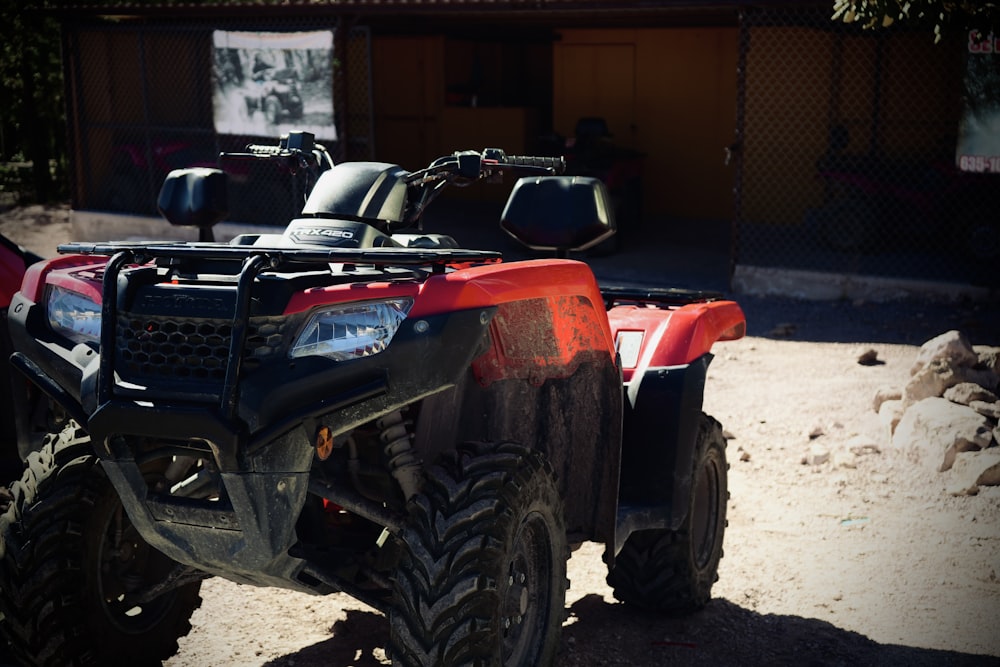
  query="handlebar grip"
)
[
  {"x": 261, "y": 149},
  {"x": 557, "y": 164}
]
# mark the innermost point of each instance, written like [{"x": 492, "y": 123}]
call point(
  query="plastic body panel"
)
[
  {"x": 519, "y": 351},
  {"x": 677, "y": 336},
  {"x": 664, "y": 373}
]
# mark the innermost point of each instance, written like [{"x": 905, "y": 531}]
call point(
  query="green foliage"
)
[
  {"x": 940, "y": 15},
  {"x": 33, "y": 118},
  {"x": 29, "y": 43}
]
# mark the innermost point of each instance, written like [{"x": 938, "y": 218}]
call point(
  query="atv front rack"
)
[
  {"x": 275, "y": 257},
  {"x": 253, "y": 261}
]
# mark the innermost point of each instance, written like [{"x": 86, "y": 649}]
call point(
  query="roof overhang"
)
[{"x": 422, "y": 14}]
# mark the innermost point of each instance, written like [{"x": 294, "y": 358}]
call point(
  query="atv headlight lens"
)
[
  {"x": 73, "y": 315},
  {"x": 352, "y": 330}
]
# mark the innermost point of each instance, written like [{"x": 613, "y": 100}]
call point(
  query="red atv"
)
[
  {"x": 17, "y": 396},
  {"x": 342, "y": 407}
]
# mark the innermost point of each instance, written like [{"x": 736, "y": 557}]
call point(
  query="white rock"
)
[
  {"x": 952, "y": 345},
  {"x": 817, "y": 455},
  {"x": 890, "y": 413},
  {"x": 967, "y": 392},
  {"x": 886, "y": 394},
  {"x": 935, "y": 430},
  {"x": 991, "y": 410},
  {"x": 842, "y": 459},
  {"x": 939, "y": 375},
  {"x": 989, "y": 358},
  {"x": 975, "y": 469},
  {"x": 860, "y": 445}
]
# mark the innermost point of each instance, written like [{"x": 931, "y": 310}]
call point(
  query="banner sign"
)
[
  {"x": 979, "y": 131},
  {"x": 267, "y": 83}
]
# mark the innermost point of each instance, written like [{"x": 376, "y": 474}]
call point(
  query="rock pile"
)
[{"x": 946, "y": 417}]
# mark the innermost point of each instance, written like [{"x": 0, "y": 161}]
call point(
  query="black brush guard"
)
[{"x": 265, "y": 472}]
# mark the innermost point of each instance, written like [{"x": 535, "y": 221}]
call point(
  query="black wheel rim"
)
[
  {"x": 705, "y": 513},
  {"x": 127, "y": 565},
  {"x": 526, "y": 592}
]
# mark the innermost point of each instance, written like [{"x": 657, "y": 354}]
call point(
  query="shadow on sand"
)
[{"x": 599, "y": 633}]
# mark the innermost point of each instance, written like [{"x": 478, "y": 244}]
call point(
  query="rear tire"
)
[
  {"x": 482, "y": 580},
  {"x": 272, "y": 110},
  {"x": 673, "y": 571},
  {"x": 70, "y": 556}
]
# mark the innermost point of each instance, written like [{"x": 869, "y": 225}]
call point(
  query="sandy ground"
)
[{"x": 872, "y": 564}]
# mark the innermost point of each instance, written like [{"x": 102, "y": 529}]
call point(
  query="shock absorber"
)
[{"x": 404, "y": 465}]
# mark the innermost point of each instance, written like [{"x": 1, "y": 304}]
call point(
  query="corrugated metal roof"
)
[
  {"x": 425, "y": 14},
  {"x": 612, "y": 6}
]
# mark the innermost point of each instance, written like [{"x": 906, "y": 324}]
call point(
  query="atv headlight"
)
[
  {"x": 351, "y": 330},
  {"x": 73, "y": 315}
]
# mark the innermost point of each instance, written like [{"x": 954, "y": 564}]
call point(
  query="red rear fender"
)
[{"x": 656, "y": 338}]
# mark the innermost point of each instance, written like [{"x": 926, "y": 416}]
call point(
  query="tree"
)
[
  {"x": 942, "y": 15},
  {"x": 33, "y": 119}
]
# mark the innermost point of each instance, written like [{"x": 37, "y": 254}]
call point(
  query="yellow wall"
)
[
  {"x": 413, "y": 125},
  {"x": 787, "y": 104},
  {"x": 802, "y": 81},
  {"x": 670, "y": 93},
  {"x": 408, "y": 94}
]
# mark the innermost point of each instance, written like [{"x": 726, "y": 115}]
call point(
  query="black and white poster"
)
[
  {"x": 267, "y": 83},
  {"x": 979, "y": 131}
]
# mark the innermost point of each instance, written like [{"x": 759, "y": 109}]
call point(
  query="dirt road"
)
[{"x": 865, "y": 560}]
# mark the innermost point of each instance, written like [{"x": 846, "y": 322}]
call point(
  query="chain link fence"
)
[
  {"x": 146, "y": 99},
  {"x": 846, "y": 138},
  {"x": 848, "y": 153}
]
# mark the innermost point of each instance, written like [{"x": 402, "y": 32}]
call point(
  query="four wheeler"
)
[
  {"x": 17, "y": 396},
  {"x": 277, "y": 96},
  {"x": 872, "y": 203},
  {"x": 591, "y": 152},
  {"x": 343, "y": 407}
]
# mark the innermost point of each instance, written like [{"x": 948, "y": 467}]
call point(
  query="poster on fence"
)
[
  {"x": 267, "y": 83},
  {"x": 979, "y": 130}
]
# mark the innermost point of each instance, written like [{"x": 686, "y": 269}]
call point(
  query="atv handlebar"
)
[
  {"x": 556, "y": 164},
  {"x": 298, "y": 150},
  {"x": 466, "y": 167}
]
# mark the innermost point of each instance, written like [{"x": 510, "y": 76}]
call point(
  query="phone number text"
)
[{"x": 979, "y": 163}]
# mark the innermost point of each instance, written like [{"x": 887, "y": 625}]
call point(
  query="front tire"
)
[
  {"x": 673, "y": 571},
  {"x": 70, "y": 558},
  {"x": 482, "y": 579}
]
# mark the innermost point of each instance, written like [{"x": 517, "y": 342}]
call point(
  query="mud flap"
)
[{"x": 662, "y": 407}]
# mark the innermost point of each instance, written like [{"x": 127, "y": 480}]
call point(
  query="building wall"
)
[
  {"x": 434, "y": 96},
  {"x": 408, "y": 95},
  {"x": 897, "y": 97},
  {"x": 670, "y": 93}
]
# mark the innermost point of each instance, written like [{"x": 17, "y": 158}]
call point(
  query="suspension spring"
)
[{"x": 404, "y": 464}]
